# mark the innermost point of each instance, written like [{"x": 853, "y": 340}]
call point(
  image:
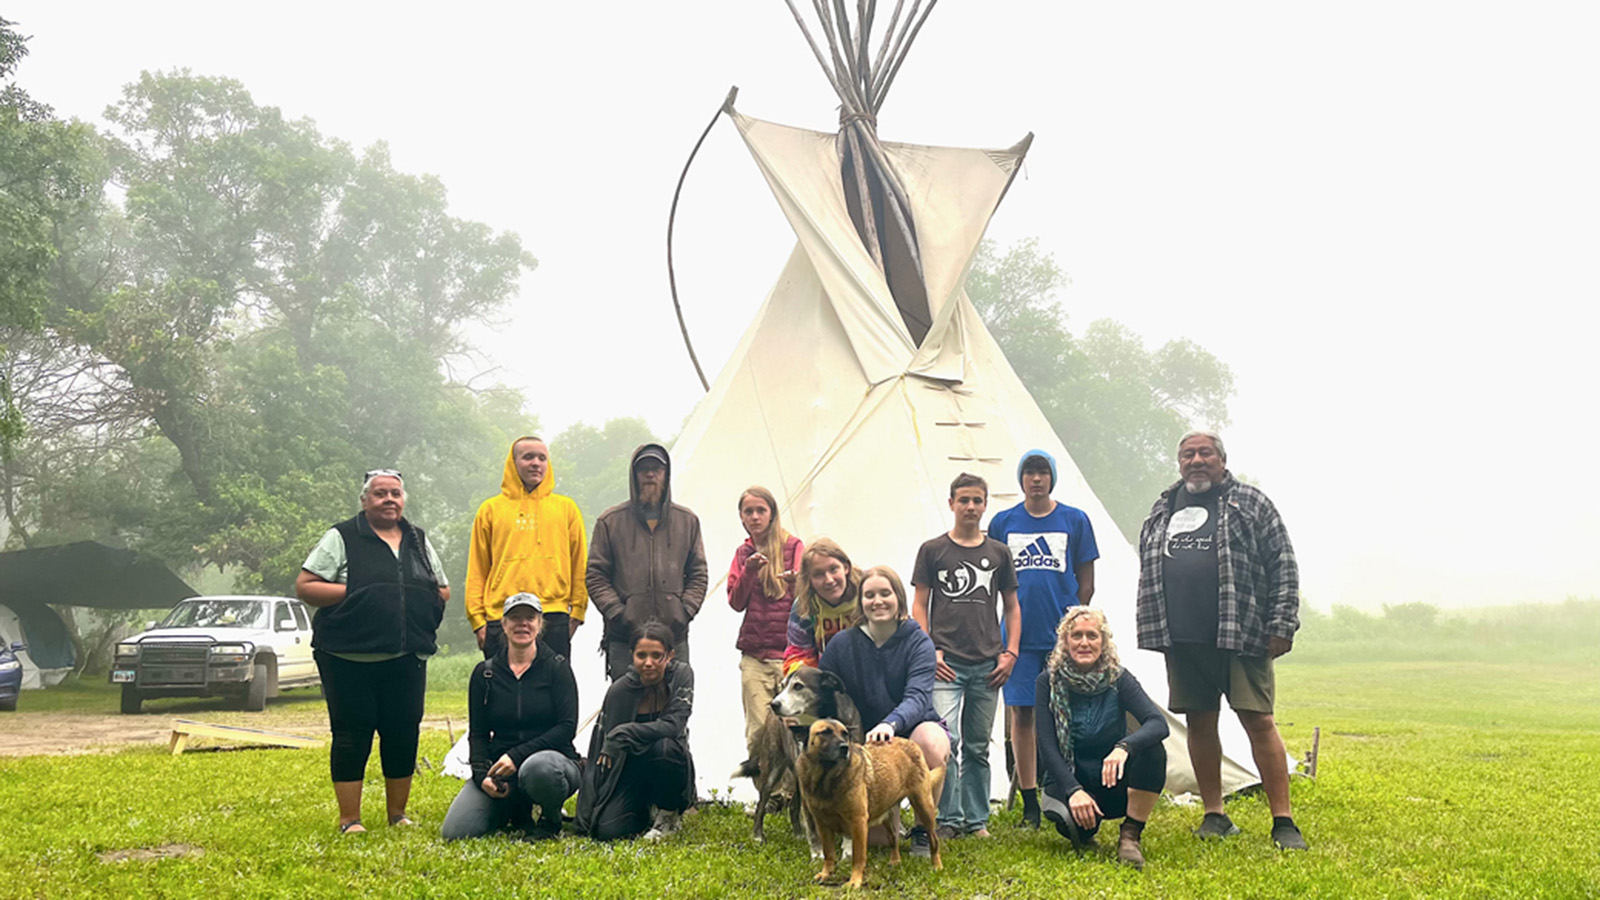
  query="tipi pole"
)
[{"x": 672, "y": 218}]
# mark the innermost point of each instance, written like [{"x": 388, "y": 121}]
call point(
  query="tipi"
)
[{"x": 855, "y": 420}]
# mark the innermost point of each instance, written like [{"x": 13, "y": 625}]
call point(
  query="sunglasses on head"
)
[{"x": 374, "y": 473}]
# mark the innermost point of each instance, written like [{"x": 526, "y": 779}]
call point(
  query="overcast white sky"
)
[{"x": 1384, "y": 216}]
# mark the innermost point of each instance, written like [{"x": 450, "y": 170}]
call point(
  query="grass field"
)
[{"x": 1466, "y": 771}]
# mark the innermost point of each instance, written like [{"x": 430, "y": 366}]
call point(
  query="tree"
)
[
  {"x": 1118, "y": 406},
  {"x": 265, "y": 316},
  {"x": 51, "y": 173}
]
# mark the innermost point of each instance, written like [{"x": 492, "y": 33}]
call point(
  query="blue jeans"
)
[{"x": 967, "y": 706}]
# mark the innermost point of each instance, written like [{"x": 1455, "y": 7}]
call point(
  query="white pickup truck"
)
[{"x": 241, "y": 647}]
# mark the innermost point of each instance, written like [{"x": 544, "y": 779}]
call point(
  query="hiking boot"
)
[
  {"x": 543, "y": 830},
  {"x": 1128, "y": 847},
  {"x": 947, "y": 832},
  {"x": 1216, "y": 826},
  {"x": 1288, "y": 837},
  {"x": 666, "y": 822},
  {"x": 920, "y": 845}
]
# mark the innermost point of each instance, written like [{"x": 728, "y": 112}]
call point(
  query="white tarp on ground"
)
[{"x": 858, "y": 432}]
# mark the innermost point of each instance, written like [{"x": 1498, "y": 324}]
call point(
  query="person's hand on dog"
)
[
  {"x": 495, "y": 789},
  {"x": 1111, "y": 771},
  {"x": 881, "y": 733},
  {"x": 1085, "y": 811},
  {"x": 1002, "y": 670},
  {"x": 941, "y": 669}
]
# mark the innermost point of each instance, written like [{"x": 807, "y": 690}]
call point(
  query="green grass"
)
[{"x": 1438, "y": 778}]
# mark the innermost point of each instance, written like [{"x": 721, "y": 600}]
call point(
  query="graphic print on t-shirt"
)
[
  {"x": 1037, "y": 551},
  {"x": 1181, "y": 528},
  {"x": 968, "y": 583}
]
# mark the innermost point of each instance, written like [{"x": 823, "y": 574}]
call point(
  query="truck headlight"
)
[
  {"x": 232, "y": 653},
  {"x": 10, "y": 664},
  {"x": 126, "y": 650}
]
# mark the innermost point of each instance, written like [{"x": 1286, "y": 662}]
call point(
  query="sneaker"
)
[
  {"x": 1068, "y": 828},
  {"x": 1288, "y": 837},
  {"x": 947, "y": 832},
  {"x": 666, "y": 822},
  {"x": 920, "y": 845},
  {"x": 1216, "y": 826}
]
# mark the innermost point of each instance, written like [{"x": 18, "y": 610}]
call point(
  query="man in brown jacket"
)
[{"x": 646, "y": 561}]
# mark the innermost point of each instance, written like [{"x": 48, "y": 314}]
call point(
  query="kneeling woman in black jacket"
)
[
  {"x": 523, "y": 708},
  {"x": 1093, "y": 768},
  {"x": 639, "y": 749}
]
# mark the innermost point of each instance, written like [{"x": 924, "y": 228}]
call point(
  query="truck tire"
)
[
  {"x": 8, "y": 705},
  {"x": 255, "y": 695},
  {"x": 131, "y": 700}
]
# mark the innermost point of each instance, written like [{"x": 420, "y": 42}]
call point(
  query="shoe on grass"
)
[
  {"x": 1128, "y": 850},
  {"x": 920, "y": 845},
  {"x": 666, "y": 822},
  {"x": 947, "y": 832},
  {"x": 1216, "y": 826},
  {"x": 1288, "y": 837},
  {"x": 1030, "y": 819}
]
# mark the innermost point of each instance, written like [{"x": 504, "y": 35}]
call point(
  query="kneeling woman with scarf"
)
[
  {"x": 639, "y": 750},
  {"x": 1092, "y": 768}
]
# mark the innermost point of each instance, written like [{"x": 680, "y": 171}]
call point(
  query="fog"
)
[{"x": 1381, "y": 216}]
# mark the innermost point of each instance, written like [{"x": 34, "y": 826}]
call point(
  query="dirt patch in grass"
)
[
  {"x": 58, "y": 733},
  {"x": 145, "y": 854}
]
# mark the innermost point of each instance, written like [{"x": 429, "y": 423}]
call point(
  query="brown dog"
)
[
  {"x": 807, "y": 694},
  {"x": 847, "y": 787}
]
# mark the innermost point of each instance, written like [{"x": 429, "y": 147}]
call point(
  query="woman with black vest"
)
[{"x": 380, "y": 593}]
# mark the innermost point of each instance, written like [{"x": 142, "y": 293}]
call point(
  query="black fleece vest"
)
[{"x": 391, "y": 605}]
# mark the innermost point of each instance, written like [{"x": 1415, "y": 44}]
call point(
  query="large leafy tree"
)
[
  {"x": 266, "y": 315},
  {"x": 1118, "y": 406}
]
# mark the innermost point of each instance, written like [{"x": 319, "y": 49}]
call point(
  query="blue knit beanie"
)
[{"x": 1047, "y": 458}]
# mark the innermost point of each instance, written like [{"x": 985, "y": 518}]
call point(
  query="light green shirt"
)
[{"x": 328, "y": 562}]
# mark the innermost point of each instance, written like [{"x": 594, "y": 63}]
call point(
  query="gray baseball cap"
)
[{"x": 517, "y": 601}]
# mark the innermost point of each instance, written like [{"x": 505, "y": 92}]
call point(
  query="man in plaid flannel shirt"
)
[{"x": 1219, "y": 595}]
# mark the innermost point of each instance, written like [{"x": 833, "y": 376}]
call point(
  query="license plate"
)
[{"x": 122, "y": 677}]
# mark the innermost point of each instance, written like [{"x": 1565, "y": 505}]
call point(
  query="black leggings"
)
[
  {"x": 1145, "y": 770},
  {"x": 364, "y": 697},
  {"x": 657, "y": 777}
]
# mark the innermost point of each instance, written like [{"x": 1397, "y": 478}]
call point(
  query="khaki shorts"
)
[{"x": 1197, "y": 675}]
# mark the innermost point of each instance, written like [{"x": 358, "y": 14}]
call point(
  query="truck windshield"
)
[{"x": 217, "y": 614}]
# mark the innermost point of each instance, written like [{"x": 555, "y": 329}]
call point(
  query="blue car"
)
[{"x": 10, "y": 673}]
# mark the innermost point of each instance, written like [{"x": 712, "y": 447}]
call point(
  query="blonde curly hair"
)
[{"x": 1059, "y": 656}]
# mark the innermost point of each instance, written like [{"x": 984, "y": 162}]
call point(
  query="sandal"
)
[
  {"x": 400, "y": 820},
  {"x": 353, "y": 826}
]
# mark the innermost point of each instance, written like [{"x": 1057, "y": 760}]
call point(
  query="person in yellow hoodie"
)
[{"x": 527, "y": 539}]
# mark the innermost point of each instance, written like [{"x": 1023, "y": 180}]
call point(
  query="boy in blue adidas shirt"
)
[{"x": 1052, "y": 546}]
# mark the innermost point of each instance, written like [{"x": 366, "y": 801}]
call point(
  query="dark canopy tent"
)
[{"x": 86, "y": 573}]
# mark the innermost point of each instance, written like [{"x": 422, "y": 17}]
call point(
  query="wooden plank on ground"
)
[{"x": 184, "y": 729}]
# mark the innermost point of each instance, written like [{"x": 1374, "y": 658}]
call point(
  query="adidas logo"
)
[{"x": 1038, "y": 555}]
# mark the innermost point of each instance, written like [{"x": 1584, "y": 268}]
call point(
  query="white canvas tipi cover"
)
[{"x": 858, "y": 432}]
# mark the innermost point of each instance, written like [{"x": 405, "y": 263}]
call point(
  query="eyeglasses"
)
[{"x": 374, "y": 473}]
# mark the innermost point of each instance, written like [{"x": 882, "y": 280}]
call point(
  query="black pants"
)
[
  {"x": 1144, "y": 771},
  {"x": 385, "y": 697},
  {"x": 657, "y": 777},
  {"x": 556, "y": 635}
]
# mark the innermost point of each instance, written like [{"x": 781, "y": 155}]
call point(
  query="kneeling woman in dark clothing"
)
[
  {"x": 1092, "y": 767},
  {"x": 523, "y": 708},
  {"x": 639, "y": 749}
]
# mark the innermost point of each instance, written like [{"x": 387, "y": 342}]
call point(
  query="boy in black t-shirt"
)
[{"x": 961, "y": 579}]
